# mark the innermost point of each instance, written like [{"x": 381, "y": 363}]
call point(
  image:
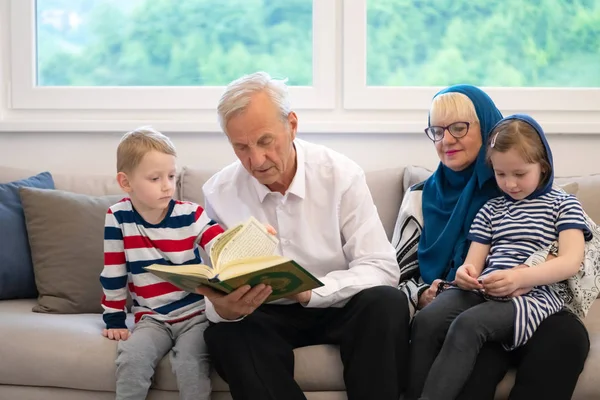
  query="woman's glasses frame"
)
[{"x": 436, "y": 133}]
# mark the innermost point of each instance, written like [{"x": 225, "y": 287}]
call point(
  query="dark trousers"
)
[
  {"x": 548, "y": 365},
  {"x": 474, "y": 321},
  {"x": 255, "y": 355}
]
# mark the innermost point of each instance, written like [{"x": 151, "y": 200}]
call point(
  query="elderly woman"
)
[{"x": 431, "y": 243}]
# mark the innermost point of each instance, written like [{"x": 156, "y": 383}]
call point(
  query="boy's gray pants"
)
[{"x": 150, "y": 340}]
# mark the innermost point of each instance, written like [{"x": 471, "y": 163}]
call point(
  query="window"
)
[
  {"x": 485, "y": 43},
  {"x": 166, "y": 53},
  {"x": 355, "y": 66},
  {"x": 171, "y": 43},
  {"x": 410, "y": 49}
]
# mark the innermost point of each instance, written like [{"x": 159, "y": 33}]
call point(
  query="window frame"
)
[
  {"x": 26, "y": 95},
  {"x": 360, "y": 96},
  {"x": 339, "y": 101}
]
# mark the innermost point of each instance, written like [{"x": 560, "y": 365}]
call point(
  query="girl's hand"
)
[
  {"x": 466, "y": 277},
  {"x": 501, "y": 283},
  {"x": 520, "y": 292}
]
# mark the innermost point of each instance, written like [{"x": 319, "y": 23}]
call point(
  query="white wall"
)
[
  {"x": 91, "y": 152},
  {"x": 94, "y": 152}
]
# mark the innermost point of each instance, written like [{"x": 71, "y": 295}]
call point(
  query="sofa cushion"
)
[
  {"x": 588, "y": 193},
  {"x": 386, "y": 188},
  {"x": 69, "y": 351},
  {"x": 93, "y": 185},
  {"x": 66, "y": 235},
  {"x": 191, "y": 181},
  {"x": 415, "y": 174},
  {"x": 16, "y": 269}
]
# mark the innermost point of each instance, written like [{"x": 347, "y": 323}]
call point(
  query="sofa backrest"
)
[
  {"x": 387, "y": 187},
  {"x": 92, "y": 185}
]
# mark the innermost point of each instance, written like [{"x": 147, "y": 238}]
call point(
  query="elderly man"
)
[{"x": 319, "y": 203}]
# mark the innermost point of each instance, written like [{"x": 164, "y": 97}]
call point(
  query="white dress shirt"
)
[{"x": 326, "y": 221}]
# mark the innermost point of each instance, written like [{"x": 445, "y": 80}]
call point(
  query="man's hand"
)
[
  {"x": 502, "y": 283},
  {"x": 302, "y": 297},
  {"x": 239, "y": 303},
  {"x": 116, "y": 334},
  {"x": 270, "y": 229},
  {"x": 466, "y": 277},
  {"x": 428, "y": 294}
]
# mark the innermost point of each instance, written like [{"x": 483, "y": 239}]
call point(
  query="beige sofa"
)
[{"x": 64, "y": 356}]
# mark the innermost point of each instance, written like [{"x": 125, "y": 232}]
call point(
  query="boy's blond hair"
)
[{"x": 137, "y": 143}]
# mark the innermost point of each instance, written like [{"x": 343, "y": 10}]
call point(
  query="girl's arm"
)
[
  {"x": 476, "y": 256},
  {"x": 467, "y": 274},
  {"x": 571, "y": 246}
]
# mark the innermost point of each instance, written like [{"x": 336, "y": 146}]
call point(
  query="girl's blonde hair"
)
[
  {"x": 519, "y": 135},
  {"x": 136, "y": 144},
  {"x": 452, "y": 105}
]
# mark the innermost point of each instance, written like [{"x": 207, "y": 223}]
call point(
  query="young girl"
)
[{"x": 503, "y": 300}]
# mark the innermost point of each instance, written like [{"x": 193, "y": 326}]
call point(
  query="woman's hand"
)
[
  {"x": 466, "y": 277},
  {"x": 428, "y": 294}
]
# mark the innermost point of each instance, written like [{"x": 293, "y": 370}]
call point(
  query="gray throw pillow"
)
[{"x": 66, "y": 236}]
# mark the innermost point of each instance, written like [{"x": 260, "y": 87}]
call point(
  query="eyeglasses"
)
[{"x": 456, "y": 129}]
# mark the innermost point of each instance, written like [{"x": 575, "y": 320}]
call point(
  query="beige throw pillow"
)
[{"x": 66, "y": 236}]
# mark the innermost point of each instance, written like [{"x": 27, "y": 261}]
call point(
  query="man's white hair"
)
[{"x": 236, "y": 98}]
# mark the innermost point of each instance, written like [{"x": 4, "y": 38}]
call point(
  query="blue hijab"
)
[
  {"x": 452, "y": 199},
  {"x": 533, "y": 123}
]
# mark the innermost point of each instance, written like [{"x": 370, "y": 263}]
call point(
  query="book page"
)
[
  {"x": 252, "y": 240},
  {"x": 199, "y": 270},
  {"x": 219, "y": 244},
  {"x": 187, "y": 277}
]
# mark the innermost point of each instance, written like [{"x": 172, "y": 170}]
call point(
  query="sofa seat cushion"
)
[{"x": 69, "y": 351}]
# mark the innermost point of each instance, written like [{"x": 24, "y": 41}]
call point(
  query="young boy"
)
[{"x": 145, "y": 228}]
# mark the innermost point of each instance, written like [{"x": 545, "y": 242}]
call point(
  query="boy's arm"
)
[
  {"x": 114, "y": 275},
  {"x": 206, "y": 229}
]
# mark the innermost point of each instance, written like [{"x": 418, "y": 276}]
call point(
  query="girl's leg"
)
[
  {"x": 489, "y": 321},
  {"x": 428, "y": 332}
]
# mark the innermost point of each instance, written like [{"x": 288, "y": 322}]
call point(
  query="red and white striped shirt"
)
[{"x": 131, "y": 243}]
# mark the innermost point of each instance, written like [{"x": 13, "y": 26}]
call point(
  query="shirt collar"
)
[{"x": 298, "y": 185}]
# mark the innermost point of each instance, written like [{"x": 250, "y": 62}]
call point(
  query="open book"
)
[{"x": 242, "y": 255}]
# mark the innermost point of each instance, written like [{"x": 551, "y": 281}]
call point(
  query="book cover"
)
[{"x": 286, "y": 277}]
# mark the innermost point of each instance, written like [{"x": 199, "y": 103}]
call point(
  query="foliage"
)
[{"x": 410, "y": 42}]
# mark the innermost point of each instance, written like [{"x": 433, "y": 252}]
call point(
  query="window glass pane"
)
[
  {"x": 171, "y": 42},
  {"x": 539, "y": 43}
]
